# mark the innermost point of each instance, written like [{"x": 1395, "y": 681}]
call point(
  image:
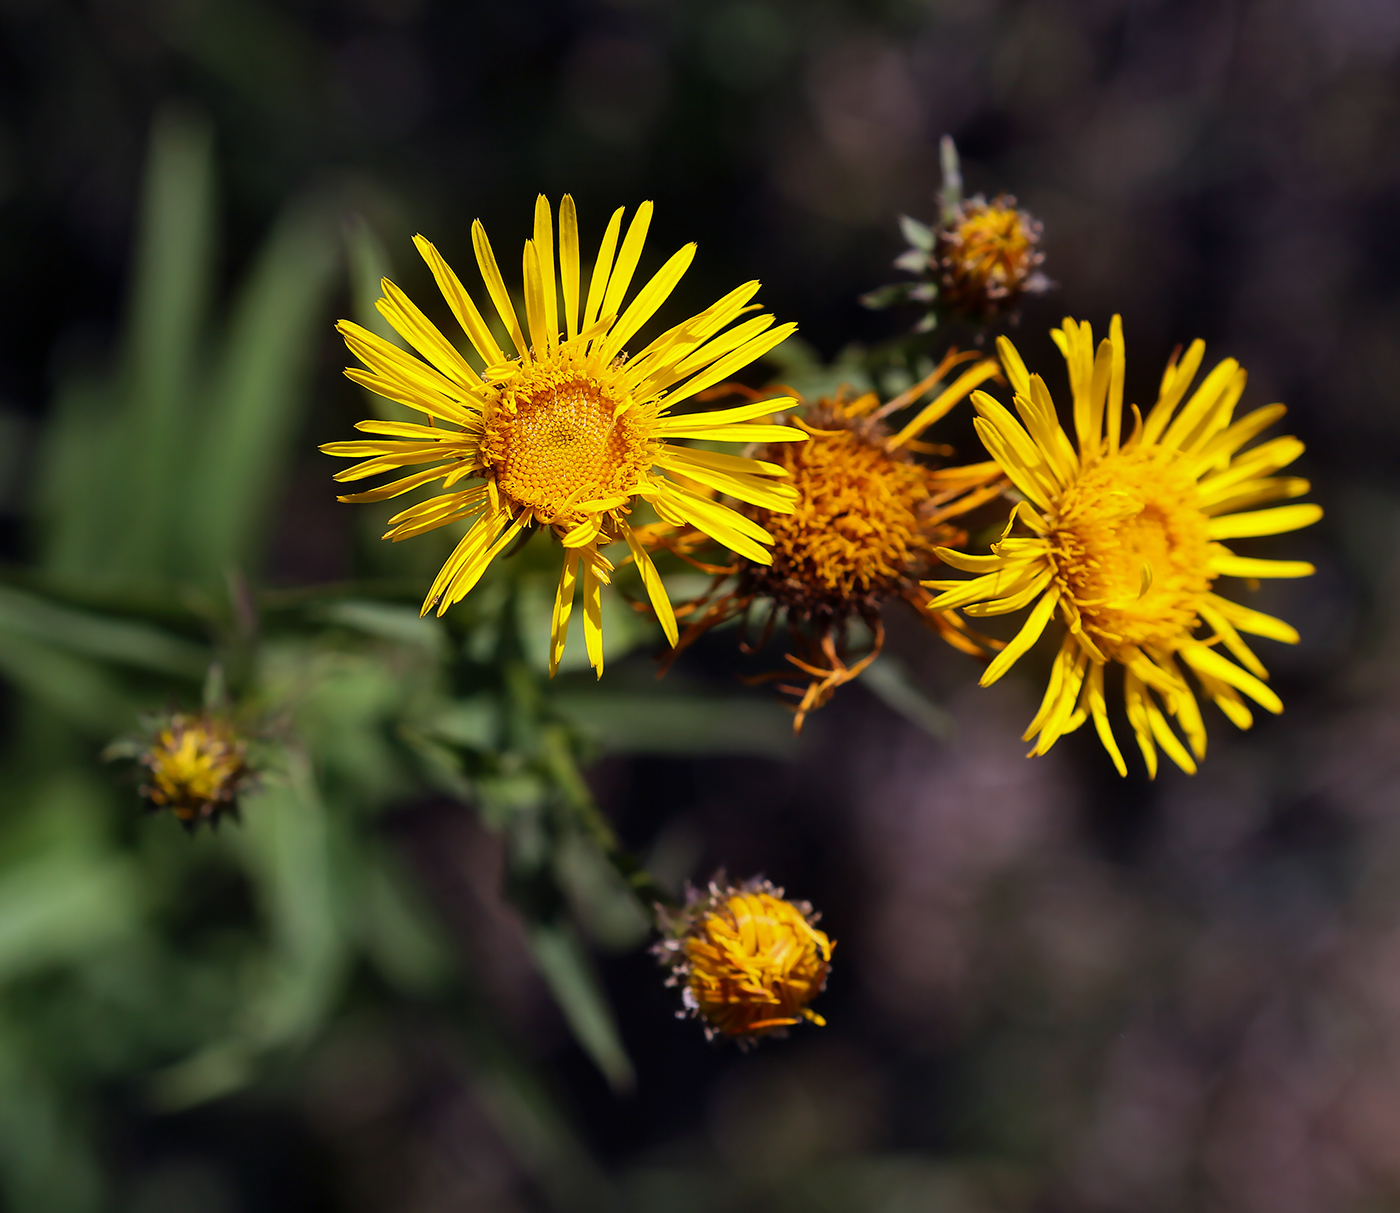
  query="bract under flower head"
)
[
  {"x": 748, "y": 961},
  {"x": 1122, "y": 538},
  {"x": 565, "y": 430},
  {"x": 868, "y": 520},
  {"x": 197, "y": 768}
]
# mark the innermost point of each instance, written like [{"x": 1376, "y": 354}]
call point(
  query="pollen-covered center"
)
[
  {"x": 1130, "y": 545},
  {"x": 560, "y": 440},
  {"x": 857, "y": 527}
]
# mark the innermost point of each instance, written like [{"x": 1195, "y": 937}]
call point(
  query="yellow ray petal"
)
[
  {"x": 1254, "y": 622},
  {"x": 1020, "y": 645},
  {"x": 749, "y": 352},
  {"x": 656, "y": 590},
  {"x": 472, "y": 570},
  {"x": 1113, "y": 407},
  {"x": 943, "y": 402},
  {"x": 1207, "y": 661},
  {"x": 563, "y": 608},
  {"x": 544, "y": 250},
  {"x": 423, "y": 335},
  {"x": 569, "y": 263},
  {"x": 398, "y": 487},
  {"x": 1135, "y": 700},
  {"x": 722, "y": 417},
  {"x": 592, "y": 613},
  {"x": 1225, "y": 563},
  {"x": 1094, "y": 701},
  {"x": 627, "y": 258},
  {"x": 648, "y": 300},
  {"x": 1264, "y": 522},
  {"x": 780, "y": 498},
  {"x": 602, "y": 269},
  {"x": 460, "y": 302},
  {"x": 496, "y": 286},
  {"x": 1014, "y": 366}
]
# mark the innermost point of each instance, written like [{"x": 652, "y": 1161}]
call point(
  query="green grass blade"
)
[
  {"x": 564, "y": 964},
  {"x": 118, "y": 640},
  {"x": 167, "y": 312},
  {"x": 258, "y": 394}
]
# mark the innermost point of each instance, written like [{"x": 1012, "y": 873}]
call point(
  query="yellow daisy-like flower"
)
[
  {"x": 198, "y": 766},
  {"x": 747, "y": 959},
  {"x": 567, "y": 432},
  {"x": 1123, "y": 538}
]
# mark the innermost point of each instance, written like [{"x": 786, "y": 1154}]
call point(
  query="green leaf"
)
[
  {"x": 59, "y": 908},
  {"x": 166, "y": 317},
  {"x": 78, "y": 487},
  {"x": 47, "y": 1164},
  {"x": 951, "y": 195},
  {"x": 285, "y": 841},
  {"x": 258, "y": 394},
  {"x": 887, "y": 296},
  {"x": 920, "y": 235},
  {"x": 80, "y": 692},
  {"x": 369, "y": 263},
  {"x": 567, "y": 971},
  {"x": 117, "y": 640}
]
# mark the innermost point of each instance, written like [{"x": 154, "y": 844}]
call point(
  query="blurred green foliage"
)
[{"x": 186, "y": 967}]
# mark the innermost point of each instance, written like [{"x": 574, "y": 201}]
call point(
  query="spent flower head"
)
[
  {"x": 870, "y": 515},
  {"x": 747, "y": 960}
]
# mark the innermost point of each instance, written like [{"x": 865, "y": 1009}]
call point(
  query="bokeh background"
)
[{"x": 1055, "y": 991}]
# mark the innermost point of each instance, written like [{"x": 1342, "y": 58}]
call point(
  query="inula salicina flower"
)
[
  {"x": 564, "y": 429},
  {"x": 1122, "y": 537},
  {"x": 196, "y": 767},
  {"x": 748, "y": 961},
  {"x": 864, "y": 529}
]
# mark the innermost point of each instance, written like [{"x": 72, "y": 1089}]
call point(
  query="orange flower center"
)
[
  {"x": 557, "y": 440},
  {"x": 1130, "y": 545},
  {"x": 857, "y": 528}
]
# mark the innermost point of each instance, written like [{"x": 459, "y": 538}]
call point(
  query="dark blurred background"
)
[{"x": 1055, "y": 991}]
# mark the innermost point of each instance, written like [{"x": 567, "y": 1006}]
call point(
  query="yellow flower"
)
[
  {"x": 748, "y": 961},
  {"x": 988, "y": 257},
  {"x": 864, "y": 529},
  {"x": 568, "y": 431},
  {"x": 198, "y": 766},
  {"x": 1123, "y": 538}
]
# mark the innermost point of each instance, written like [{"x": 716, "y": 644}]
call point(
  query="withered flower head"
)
[
  {"x": 869, "y": 515},
  {"x": 197, "y": 767},
  {"x": 748, "y": 961}
]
